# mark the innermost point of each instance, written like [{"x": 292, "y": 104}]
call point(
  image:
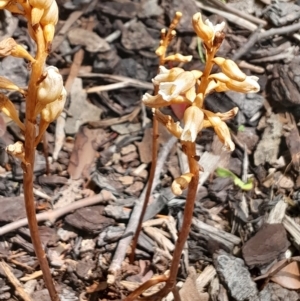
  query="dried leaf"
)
[
  {"x": 84, "y": 151},
  {"x": 288, "y": 276}
]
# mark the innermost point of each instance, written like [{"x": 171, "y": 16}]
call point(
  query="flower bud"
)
[
  {"x": 9, "y": 85},
  {"x": 10, "y": 47},
  {"x": 203, "y": 31},
  {"x": 182, "y": 83},
  {"x": 8, "y": 108},
  {"x": 160, "y": 50},
  {"x": 48, "y": 22},
  {"x": 230, "y": 68},
  {"x": 50, "y": 87},
  {"x": 50, "y": 113},
  {"x": 17, "y": 150},
  {"x": 193, "y": 123},
  {"x": 53, "y": 110},
  {"x": 38, "y": 8},
  {"x": 207, "y": 31},
  {"x": 3, "y": 3},
  {"x": 181, "y": 183},
  {"x": 179, "y": 58}
]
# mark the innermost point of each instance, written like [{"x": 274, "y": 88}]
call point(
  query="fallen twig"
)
[
  {"x": 15, "y": 282},
  {"x": 53, "y": 215},
  {"x": 134, "y": 218}
]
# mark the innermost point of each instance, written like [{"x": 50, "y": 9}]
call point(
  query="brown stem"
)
[
  {"x": 190, "y": 151},
  {"x": 149, "y": 187},
  {"x": 30, "y": 134},
  {"x": 204, "y": 78}
]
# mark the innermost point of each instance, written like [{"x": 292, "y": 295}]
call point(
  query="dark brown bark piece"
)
[
  {"x": 266, "y": 245},
  {"x": 89, "y": 219},
  {"x": 12, "y": 209}
]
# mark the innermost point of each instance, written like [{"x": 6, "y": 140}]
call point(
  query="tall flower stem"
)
[
  {"x": 190, "y": 150},
  {"x": 166, "y": 39},
  {"x": 30, "y": 134},
  {"x": 149, "y": 187}
]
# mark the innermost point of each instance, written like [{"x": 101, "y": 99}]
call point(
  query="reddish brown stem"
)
[
  {"x": 149, "y": 187},
  {"x": 30, "y": 134},
  {"x": 190, "y": 150}
]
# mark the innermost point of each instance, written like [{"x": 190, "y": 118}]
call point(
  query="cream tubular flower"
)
[
  {"x": 50, "y": 113},
  {"x": 249, "y": 85},
  {"x": 181, "y": 183},
  {"x": 51, "y": 86},
  {"x": 182, "y": 83},
  {"x": 206, "y": 30},
  {"x": 8, "y": 108},
  {"x": 203, "y": 31},
  {"x": 158, "y": 102},
  {"x": 48, "y": 21},
  {"x": 230, "y": 68},
  {"x": 38, "y": 9},
  {"x": 193, "y": 123},
  {"x": 54, "y": 109},
  {"x": 221, "y": 129},
  {"x": 166, "y": 75},
  {"x": 10, "y": 47}
]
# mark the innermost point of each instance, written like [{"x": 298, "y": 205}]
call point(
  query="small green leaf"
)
[
  {"x": 225, "y": 173},
  {"x": 241, "y": 128}
]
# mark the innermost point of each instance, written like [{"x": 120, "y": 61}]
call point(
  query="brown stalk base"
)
[
  {"x": 149, "y": 187},
  {"x": 190, "y": 150},
  {"x": 30, "y": 134}
]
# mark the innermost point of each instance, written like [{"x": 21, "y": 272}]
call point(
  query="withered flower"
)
[
  {"x": 181, "y": 183},
  {"x": 17, "y": 150},
  {"x": 8, "y": 108}
]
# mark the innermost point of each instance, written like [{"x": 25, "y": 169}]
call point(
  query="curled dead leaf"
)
[{"x": 288, "y": 276}]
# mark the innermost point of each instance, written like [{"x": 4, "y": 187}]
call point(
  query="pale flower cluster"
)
[
  {"x": 189, "y": 89},
  {"x": 51, "y": 94},
  {"x": 176, "y": 86},
  {"x": 43, "y": 12}
]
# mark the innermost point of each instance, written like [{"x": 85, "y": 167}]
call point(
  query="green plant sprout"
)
[{"x": 225, "y": 173}]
